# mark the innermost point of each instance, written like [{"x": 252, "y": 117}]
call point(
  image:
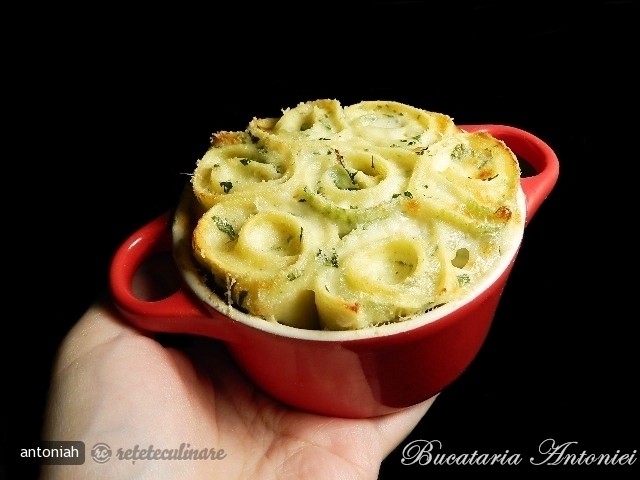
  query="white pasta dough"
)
[{"x": 342, "y": 218}]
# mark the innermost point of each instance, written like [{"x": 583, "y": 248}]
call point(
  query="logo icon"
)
[{"x": 101, "y": 453}]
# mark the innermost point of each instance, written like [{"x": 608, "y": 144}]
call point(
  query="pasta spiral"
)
[{"x": 342, "y": 218}]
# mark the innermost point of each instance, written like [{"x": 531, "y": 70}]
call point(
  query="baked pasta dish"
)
[{"x": 337, "y": 217}]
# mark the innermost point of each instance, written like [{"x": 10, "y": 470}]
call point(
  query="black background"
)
[{"x": 107, "y": 112}]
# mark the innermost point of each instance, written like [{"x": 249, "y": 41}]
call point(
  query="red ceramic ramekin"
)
[{"x": 355, "y": 374}]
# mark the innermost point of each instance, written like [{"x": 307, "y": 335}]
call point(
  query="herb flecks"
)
[
  {"x": 226, "y": 186},
  {"x": 406, "y": 194},
  {"x": 460, "y": 151},
  {"x": 463, "y": 280},
  {"x": 225, "y": 227},
  {"x": 352, "y": 175},
  {"x": 330, "y": 259},
  {"x": 291, "y": 276}
]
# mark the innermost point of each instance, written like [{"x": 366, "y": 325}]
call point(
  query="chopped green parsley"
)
[
  {"x": 226, "y": 186},
  {"x": 329, "y": 260},
  {"x": 225, "y": 227}
]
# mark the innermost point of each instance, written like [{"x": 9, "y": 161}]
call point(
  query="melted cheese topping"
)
[{"x": 341, "y": 218}]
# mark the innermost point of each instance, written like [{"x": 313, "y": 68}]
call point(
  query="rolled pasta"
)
[
  {"x": 347, "y": 218},
  {"x": 261, "y": 252},
  {"x": 240, "y": 163}
]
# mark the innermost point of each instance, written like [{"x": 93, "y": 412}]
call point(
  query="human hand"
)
[{"x": 113, "y": 384}]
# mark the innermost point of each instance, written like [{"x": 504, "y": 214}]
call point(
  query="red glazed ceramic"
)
[{"x": 356, "y": 374}]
